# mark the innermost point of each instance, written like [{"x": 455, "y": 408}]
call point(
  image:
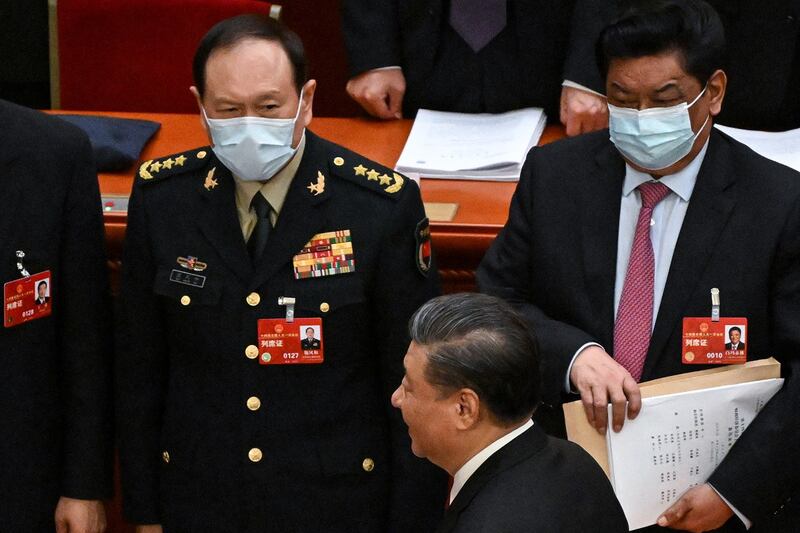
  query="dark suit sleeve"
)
[
  {"x": 371, "y": 34},
  {"x": 760, "y": 472},
  {"x": 140, "y": 372},
  {"x": 419, "y": 489},
  {"x": 588, "y": 21},
  {"x": 84, "y": 334},
  {"x": 506, "y": 272}
]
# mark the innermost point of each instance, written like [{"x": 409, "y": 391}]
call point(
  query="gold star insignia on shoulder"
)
[
  {"x": 318, "y": 187},
  {"x": 210, "y": 182},
  {"x": 384, "y": 179},
  {"x": 168, "y": 163},
  {"x": 398, "y": 183},
  {"x": 180, "y": 160},
  {"x": 143, "y": 172},
  {"x": 360, "y": 170},
  {"x": 372, "y": 175},
  {"x": 155, "y": 167}
]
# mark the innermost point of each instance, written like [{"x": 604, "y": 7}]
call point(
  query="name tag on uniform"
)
[
  {"x": 27, "y": 299},
  {"x": 706, "y": 342},
  {"x": 290, "y": 343}
]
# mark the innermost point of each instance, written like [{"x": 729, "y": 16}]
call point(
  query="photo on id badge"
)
[
  {"x": 736, "y": 335},
  {"x": 310, "y": 336}
]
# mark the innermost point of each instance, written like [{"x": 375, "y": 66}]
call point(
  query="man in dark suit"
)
[
  {"x": 55, "y": 404},
  {"x": 470, "y": 388},
  {"x": 469, "y": 56},
  {"x": 41, "y": 293},
  {"x": 218, "y": 238},
  {"x": 610, "y": 244},
  {"x": 762, "y": 60},
  {"x": 734, "y": 334}
]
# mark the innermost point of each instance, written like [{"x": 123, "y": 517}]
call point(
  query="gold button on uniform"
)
[
  {"x": 324, "y": 307},
  {"x": 165, "y": 456},
  {"x": 253, "y": 299},
  {"x": 201, "y": 154},
  {"x": 338, "y": 161},
  {"x": 255, "y": 455},
  {"x": 253, "y": 403},
  {"x": 367, "y": 464},
  {"x": 251, "y": 351},
  {"x": 185, "y": 300}
]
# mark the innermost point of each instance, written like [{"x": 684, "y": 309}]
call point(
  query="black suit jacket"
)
[
  {"x": 729, "y": 346},
  {"x": 336, "y": 455},
  {"x": 55, "y": 403},
  {"x": 556, "y": 260},
  {"x": 762, "y": 64},
  {"x": 522, "y": 67},
  {"x": 536, "y": 483}
]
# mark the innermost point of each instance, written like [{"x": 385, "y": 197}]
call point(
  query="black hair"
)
[
  {"x": 229, "y": 32},
  {"x": 479, "y": 342},
  {"x": 691, "y": 28},
  {"x": 734, "y": 328},
  {"x": 43, "y": 282}
]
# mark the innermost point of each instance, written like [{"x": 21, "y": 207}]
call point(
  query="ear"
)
[
  {"x": 468, "y": 407},
  {"x": 201, "y": 109},
  {"x": 717, "y": 84},
  {"x": 306, "y": 107}
]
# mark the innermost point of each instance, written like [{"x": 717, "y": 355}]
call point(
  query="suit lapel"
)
[
  {"x": 302, "y": 215},
  {"x": 531, "y": 442},
  {"x": 710, "y": 207},
  {"x": 600, "y": 229},
  {"x": 219, "y": 221}
]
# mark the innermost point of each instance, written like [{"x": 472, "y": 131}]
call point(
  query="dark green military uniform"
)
[{"x": 211, "y": 440}]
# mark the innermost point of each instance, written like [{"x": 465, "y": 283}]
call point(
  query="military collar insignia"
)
[
  {"x": 210, "y": 182},
  {"x": 318, "y": 187}
]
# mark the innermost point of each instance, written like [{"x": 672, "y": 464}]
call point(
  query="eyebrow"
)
[{"x": 669, "y": 85}]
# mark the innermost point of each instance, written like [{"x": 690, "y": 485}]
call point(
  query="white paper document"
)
[
  {"x": 676, "y": 442},
  {"x": 780, "y": 146},
  {"x": 471, "y": 146}
]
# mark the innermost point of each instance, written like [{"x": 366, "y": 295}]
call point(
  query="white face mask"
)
[
  {"x": 653, "y": 138},
  {"x": 253, "y": 148}
]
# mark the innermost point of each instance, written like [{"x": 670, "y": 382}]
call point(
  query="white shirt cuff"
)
[
  {"x": 567, "y": 385},
  {"x": 392, "y": 67},
  {"x": 747, "y": 523},
  {"x": 572, "y": 84}
]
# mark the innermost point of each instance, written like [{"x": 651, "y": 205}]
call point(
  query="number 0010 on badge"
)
[{"x": 290, "y": 343}]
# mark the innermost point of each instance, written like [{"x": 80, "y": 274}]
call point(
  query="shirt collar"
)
[
  {"x": 681, "y": 183},
  {"x": 274, "y": 189},
  {"x": 470, "y": 467}
]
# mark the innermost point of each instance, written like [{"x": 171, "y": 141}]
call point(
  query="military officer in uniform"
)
[
  {"x": 55, "y": 343},
  {"x": 310, "y": 342},
  {"x": 223, "y": 426}
]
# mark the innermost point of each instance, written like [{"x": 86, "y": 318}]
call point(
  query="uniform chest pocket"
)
[
  {"x": 185, "y": 290},
  {"x": 326, "y": 295}
]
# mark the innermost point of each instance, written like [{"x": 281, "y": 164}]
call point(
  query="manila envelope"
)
[{"x": 582, "y": 433}]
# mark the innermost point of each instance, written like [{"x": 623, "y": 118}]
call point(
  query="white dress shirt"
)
[{"x": 470, "y": 467}]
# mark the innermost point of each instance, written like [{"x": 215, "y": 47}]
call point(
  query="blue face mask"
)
[
  {"x": 253, "y": 148},
  {"x": 653, "y": 138}
]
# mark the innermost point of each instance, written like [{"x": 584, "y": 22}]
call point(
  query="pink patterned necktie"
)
[{"x": 634, "y": 323}]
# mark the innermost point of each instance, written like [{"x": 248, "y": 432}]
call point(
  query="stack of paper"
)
[
  {"x": 471, "y": 146},
  {"x": 780, "y": 146},
  {"x": 676, "y": 442},
  {"x": 687, "y": 424}
]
